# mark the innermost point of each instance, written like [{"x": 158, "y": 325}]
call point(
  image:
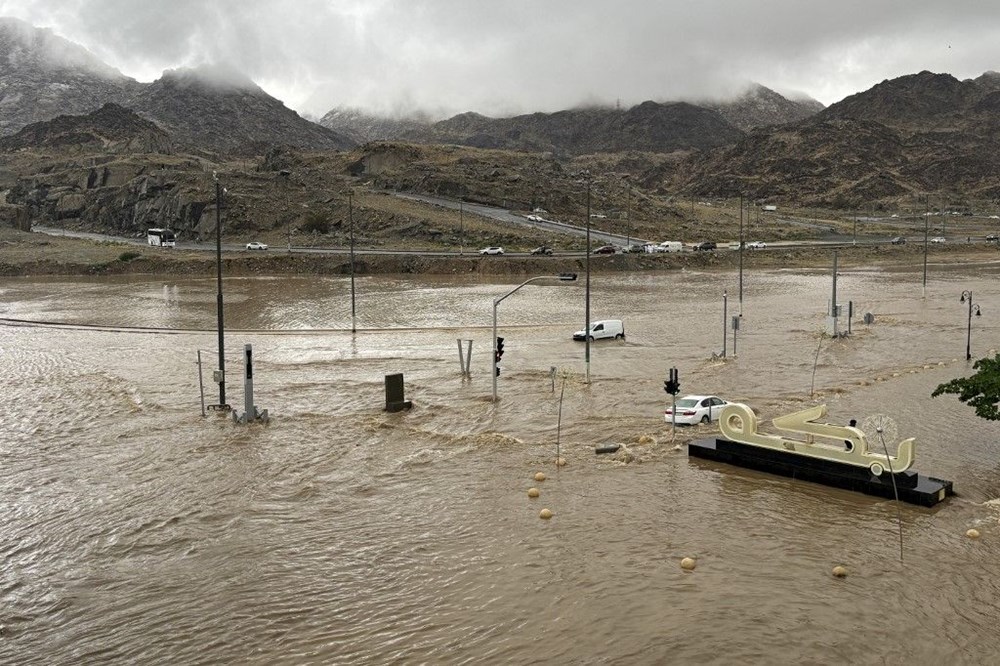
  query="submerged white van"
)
[{"x": 607, "y": 328}]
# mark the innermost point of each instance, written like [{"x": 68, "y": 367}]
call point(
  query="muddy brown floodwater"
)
[{"x": 137, "y": 531}]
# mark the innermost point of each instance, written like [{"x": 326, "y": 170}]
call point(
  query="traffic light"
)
[
  {"x": 673, "y": 384},
  {"x": 499, "y": 349}
]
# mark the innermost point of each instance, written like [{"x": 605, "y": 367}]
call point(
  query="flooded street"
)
[{"x": 135, "y": 530}]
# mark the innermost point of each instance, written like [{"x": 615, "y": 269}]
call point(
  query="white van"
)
[
  {"x": 671, "y": 246},
  {"x": 607, "y": 328}
]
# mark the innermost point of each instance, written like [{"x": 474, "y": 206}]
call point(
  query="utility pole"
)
[
  {"x": 218, "y": 298},
  {"x": 350, "y": 215},
  {"x": 927, "y": 223},
  {"x": 741, "y": 252},
  {"x": 628, "y": 212},
  {"x": 586, "y": 328}
]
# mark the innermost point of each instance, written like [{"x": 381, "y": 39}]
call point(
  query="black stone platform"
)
[{"x": 911, "y": 486}]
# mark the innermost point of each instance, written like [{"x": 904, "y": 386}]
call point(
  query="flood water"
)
[{"x": 135, "y": 530}]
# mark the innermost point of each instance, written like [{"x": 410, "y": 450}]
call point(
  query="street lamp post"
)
[
  {"x": 967, "y": 294},
  {"x": 461, "y": 227},
  {"x": 564, "y": 277}
]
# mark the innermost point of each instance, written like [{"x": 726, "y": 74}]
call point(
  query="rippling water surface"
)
[{"x": 135, "y": 530}]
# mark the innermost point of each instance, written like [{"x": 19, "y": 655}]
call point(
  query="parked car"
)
[
  {"x": 692, "y": 409},
  {"x": 607, "y": 328},
  {"x": 707, "y": 245},
  {"x": 255, "y": 245},
  {"x": 543, "y": 249},
  {"x": 937, "y": 239},
  {"x": 898, "y": 240},
  {"x": 671, "y": 246},
  {"x": 606, "y": 249},
  {"x": 491, "y": 250},
  {"x": 757, "y": 245}
]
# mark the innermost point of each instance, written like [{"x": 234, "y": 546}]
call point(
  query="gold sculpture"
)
[{"x": 836, "y": 443}]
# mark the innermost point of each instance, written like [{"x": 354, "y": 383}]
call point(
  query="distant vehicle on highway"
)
[
  {"x": 536, "y": 218},
  {"x": 898, "y": 240},
  {"x": 492, "y": 250},
  {"x": 606, "y": 249},
  {"x": 256, "y": 245},
  {"x": 704, "y": 246},
  {"x": 161, "y": 237},
  {"x": 938, "y": 239},
  {"x": 757, "y": 245},
  {"x": 543, "y": 249},
  {"x": 992, "y": 238},
  {"x": 671, "y": 246}
]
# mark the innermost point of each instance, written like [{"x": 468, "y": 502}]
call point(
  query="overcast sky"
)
[{"x": 501, "y": 57}]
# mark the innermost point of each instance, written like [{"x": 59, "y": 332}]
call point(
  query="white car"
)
[
  {"x": 491, "y": 250},
  {"x": 937, "y": 239},
  {"x": 757, "y": 245},
  {"x": 256, "y": 246},
  {"x": 692, "y": 409}
]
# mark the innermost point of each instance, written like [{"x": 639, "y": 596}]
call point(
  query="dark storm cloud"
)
[{"x": 499, "y": 58}]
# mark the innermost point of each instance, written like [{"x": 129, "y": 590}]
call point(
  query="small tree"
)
[
  {"x": 981, "y": 390},
  {"x": 317, "y": 221}
]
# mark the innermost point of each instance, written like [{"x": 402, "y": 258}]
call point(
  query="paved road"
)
[{"x": 509, "y": 217}]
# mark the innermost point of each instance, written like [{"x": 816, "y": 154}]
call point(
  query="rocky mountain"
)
[
  {"x": 217, "y": 110},
  {"x": 361, "y": 127},
  {"x": 762, "y": 107},
  {"x": 110, "y": 129},
  {"x": 649, "y": 127},
  {"x": 914, "y": 134},
  {"x": 43, "y": 75}
]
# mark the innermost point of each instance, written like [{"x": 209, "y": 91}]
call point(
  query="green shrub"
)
[
  {"x": 128, "y": 256},
  {"x": 316, "y": 221}
]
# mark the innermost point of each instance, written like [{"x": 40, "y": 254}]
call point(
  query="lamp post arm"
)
[{"x": 497, "y": 301}]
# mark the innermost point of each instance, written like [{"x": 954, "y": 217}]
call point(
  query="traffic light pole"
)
[{"x": 494, "y": 373}]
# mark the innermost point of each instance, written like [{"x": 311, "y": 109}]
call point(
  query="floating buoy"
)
[
  {"x": 688, "y": 564},
  {"x": 839, "y": 571},
  {"x": 533, "y": 492},
  {"x": 560, "y": 462},
  {"x": 972, "y": 533},
  {"x": 539, "y": 476},
  {"x": 545, "y": 514}
]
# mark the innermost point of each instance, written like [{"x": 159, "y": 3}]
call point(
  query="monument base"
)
[{"x": 910, "y": 486}]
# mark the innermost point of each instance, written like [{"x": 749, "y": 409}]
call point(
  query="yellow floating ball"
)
[
  {"x": 839, "y": 571},
  {"x": 545, "y": 514},
  {"x": 533, "y": 492},
  {"x": 560, "y": 462},
  {"x": 539, "y": 476},
  {"x": 688, "y": 564},
  {"x": 973, "y": 533}
]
